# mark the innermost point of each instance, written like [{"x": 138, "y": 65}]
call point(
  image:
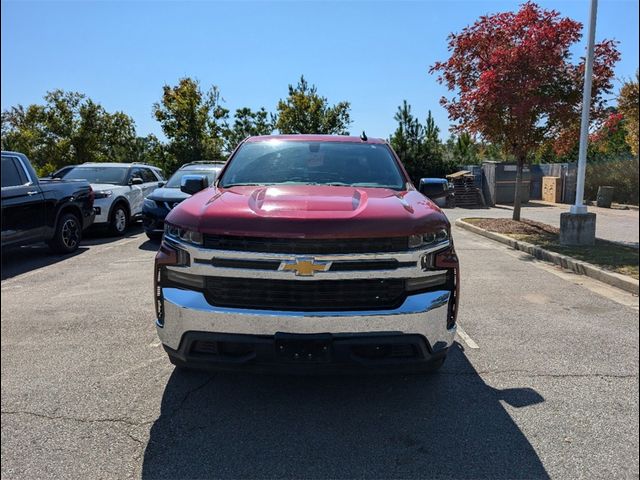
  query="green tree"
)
[
  {"x": 419, "y": 146},
  {"x": 305, "y": 111},
  {"x": 628, "y": 105},
  {"x": 152, "y": 151},
  {"x": 68, "y": 129},
  {"x": 247, "y": 123},
  {"x": 193, "y": 121}
]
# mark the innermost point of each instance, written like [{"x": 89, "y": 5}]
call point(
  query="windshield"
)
[
  {"x": 276, "y": 162},
  {"x": 114, "y": 175},
  {"x": 174, "y": 181}
]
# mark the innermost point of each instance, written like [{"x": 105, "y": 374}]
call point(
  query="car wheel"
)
[
  {"x": 67, "y": 235},
  {"x": 119, "y": 220}
]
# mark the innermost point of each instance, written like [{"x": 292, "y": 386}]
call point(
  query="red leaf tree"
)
[{"x": 515, "y": 83}]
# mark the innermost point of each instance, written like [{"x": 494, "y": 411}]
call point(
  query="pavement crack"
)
[
  {"x": 189, "y": 393},
  {"x": 124, "y": 421}
]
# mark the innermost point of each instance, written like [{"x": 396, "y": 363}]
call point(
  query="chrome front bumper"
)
[{"x": 424, "y": 314}]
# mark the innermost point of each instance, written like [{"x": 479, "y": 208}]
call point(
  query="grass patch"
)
[{"x": 606, "y": 255}]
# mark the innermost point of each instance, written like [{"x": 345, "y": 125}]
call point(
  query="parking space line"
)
[{"x": 466, "y": 338}]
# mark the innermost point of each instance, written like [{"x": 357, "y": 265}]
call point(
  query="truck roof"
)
[{"x": 314, "y": 138}]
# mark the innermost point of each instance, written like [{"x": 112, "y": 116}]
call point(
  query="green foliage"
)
[
  {"x": 248, "y": 123},
  {"x": 304, "y": 111},
  {"x": 193, "y": 121},
  {"x": 620, "y": 174},
  {"x": 419, "y": 146},
  {"x": 629, "y": 106},
  {"x": 68, "y": 129},
  {"x": 151, "y": 150}
]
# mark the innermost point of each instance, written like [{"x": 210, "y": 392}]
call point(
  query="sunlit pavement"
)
[{"x": 544, "y": 383}]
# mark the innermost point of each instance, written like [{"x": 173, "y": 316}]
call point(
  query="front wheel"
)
[
  {"x": 119, "y": 220},
  {"x": 68, "y": 234}
]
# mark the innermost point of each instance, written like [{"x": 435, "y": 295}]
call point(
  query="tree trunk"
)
[{"x": 516, "y": 200}]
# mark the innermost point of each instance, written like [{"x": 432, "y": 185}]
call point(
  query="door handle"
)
[{"x": 32, "y": 192}]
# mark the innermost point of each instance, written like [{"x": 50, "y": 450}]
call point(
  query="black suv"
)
[{"x": 158, "y": 204}]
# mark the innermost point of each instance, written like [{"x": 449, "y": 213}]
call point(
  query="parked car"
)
[
  {"x": 158, "y": 204},
  {"x": 120, "y": 189},
  {"x": 309, "y": 253},
  {"x": 439, "y": 190},
  {"x": 39, "y": 210}
]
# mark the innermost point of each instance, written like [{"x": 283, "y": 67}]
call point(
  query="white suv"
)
[{"x": 120, "y": 189}]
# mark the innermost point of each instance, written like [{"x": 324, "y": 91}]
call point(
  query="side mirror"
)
[
  {"x": 192, "y": 184},
  {"x": 433, "y": 189},
  {"x": 136, "y": 181},
  {"x": 161, "y": 184}
]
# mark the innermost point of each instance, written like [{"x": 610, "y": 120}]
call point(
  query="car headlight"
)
[
  {"x": 149, "y": 203},
  {"x": 103, "y": 193},
  {"x": 182, "y": 234},
  {"x": 428, "y": 239}
]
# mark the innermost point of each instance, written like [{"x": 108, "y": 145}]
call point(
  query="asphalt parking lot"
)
[{"x": 543, "y": 382}]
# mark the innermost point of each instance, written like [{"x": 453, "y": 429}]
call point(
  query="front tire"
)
[
  {"x": 119, "y": 220},
  {"x": 67, "y": 236}
]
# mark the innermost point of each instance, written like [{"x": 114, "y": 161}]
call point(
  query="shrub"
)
[{"x": 622, "y": 175}]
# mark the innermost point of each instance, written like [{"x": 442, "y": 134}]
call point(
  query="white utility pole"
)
[{"x": 579, "y": 207}]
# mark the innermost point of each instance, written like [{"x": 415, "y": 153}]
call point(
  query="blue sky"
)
[{"x": 373, "y": 54}]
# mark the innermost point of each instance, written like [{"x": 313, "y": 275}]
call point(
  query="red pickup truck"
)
[{"x": 308, "y": 253}]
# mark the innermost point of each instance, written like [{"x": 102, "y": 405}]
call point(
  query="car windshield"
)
[
  {"x": 276, "y": 162},
  {"x": 176, "y": 178},
  {"x": 114, "y": 175}
]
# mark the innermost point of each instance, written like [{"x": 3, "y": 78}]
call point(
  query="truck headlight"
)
[
  {"x": 428, "y": 239},
  {"x": 103, "y": 193},
  {"x": 182, "y": 234}
]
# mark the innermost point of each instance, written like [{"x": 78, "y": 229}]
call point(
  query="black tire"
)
[
  {"x": 68, "y": 233},
  {"x": 119, "y": 220},
  {"x": 154, "y": 236}
]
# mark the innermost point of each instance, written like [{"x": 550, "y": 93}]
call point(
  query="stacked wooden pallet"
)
[{"x": 467, "y": 194}]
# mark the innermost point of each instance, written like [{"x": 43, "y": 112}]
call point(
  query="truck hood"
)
[{"x": 304, "y": 211}]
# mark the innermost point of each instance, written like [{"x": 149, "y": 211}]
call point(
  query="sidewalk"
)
[{"x": 613, "y": 225}]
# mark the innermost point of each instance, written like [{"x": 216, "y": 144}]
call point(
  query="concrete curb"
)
[
  {"x": 614, "y": 206},
  {"x": 611, "y": 278}
]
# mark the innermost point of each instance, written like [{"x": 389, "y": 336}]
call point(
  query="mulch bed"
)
[{"x": 507, "y": 226}]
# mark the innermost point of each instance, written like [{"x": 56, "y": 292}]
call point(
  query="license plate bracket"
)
[{"x": 303, "y": 348}]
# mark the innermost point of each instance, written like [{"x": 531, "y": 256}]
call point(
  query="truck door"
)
[{"x": 23, "y": 206}]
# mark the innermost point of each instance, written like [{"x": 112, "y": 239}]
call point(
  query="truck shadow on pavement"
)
[
  {"x": 19, "y": 260},
  {"x": 448, "y": 425}
]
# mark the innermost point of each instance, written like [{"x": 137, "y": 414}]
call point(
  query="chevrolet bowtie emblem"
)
[{"x": 305, "y": 267}]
